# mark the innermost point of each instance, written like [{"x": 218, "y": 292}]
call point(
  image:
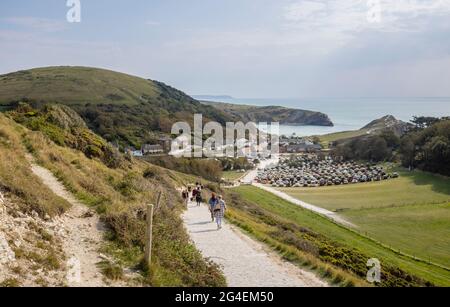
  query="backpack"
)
[
  {"x": 198, "y": 196},
  {"x": 217, "y": 207}
]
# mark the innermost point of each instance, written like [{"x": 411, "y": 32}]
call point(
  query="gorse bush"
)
[
  {"x": 209, "y": 169},
  {"x": 371, "y": 148},
  {"x": 65, "y": 128}
]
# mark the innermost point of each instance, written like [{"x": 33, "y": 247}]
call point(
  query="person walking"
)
[
  {"x": 185, "y": 196},
  {"x": 213, "y": 201},
  {"x": 194, "y": 194},
  {"x": 198, "y": 198},
  {"x": 219, "y": 211}
]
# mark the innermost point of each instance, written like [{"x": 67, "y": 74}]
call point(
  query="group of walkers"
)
[
  {"x": 216, "y": 204},
  {"x": 196, "y": 194}
]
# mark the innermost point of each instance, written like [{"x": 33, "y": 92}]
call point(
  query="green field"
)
[
  {"x": 333, "y": 137},
  {"x": 410, "y": 214},
  {"x": 419, "y": 230},
  {"x": 232, "y": 175},
  {"x": 305, "y": 218},
  {"x": 412, "y": 188}
]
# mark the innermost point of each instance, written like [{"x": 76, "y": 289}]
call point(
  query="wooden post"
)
[{"x": 149, "y": 237}]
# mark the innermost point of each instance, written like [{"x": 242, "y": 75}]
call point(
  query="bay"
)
[{"x": 352, "y": 113}]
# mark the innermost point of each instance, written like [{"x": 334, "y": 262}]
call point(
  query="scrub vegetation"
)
[{"x": 117, "y": 192}]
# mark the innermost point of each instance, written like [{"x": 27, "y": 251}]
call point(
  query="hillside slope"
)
[
  {"x": 118, "y": 192},
  {"x": 285, "y": 116},
  {"x": 75, "y": 85},
  {"x": 388, "y": 122},
  {"x": 117, "y": 106},
  {"x": 131, "y": 110},
  {"x": 377, "y": 126}
]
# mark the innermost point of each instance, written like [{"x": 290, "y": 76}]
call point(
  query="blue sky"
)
[{"x": 244, "y": 48}]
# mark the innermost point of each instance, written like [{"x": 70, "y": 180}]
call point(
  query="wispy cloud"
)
[
  {"x": 352, "y": 15},
  {"x": 35, "y": 23},
  {"x": 330, "y": 25}
]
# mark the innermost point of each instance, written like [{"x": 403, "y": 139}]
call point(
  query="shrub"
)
[
  {"x": 10, "y": 283},
  {"x": 111, "y": 271}
]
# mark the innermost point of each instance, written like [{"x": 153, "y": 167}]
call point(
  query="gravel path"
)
[
  {"x": 83, "y": 239},
  {"x": 331, "y": 215},
  {"x": 245, "y": 262}
]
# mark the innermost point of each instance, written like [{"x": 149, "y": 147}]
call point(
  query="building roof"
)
[
  {"x": 297, "y": 147},
  {"x": 148, "y": 147}
]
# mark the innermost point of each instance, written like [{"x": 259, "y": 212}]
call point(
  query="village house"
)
[
  {"x": 134, "y": 152},
  {"x": 301, "y": 148},
  {"x": 166, "y": 143},
  {"x": 149, "y": 149},
  {"x": 298, "y": 145}
]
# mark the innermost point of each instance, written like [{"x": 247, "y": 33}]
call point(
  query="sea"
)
[{"x": 351, "y": 113}]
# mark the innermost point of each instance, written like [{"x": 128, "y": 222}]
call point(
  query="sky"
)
[{"x": 243, "y": 48}]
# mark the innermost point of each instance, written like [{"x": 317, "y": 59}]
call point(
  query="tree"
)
[
  {"x": 378, "y": 149},
  {"x": 423, "y": 122},
  {"x": 407, "y": 151},
  {"x": 316, "y": 140},
  {"x": 392, "y": 140}
]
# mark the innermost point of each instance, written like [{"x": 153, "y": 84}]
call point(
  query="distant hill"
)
[
  {"x": 76, "y": 85},
  {"x": 376, "y": 126},
  {"x": 387, "y": 122},
  {"x": 209, "y": 97},
  {"x": 115, "y": 105},
  {"x": 285, "y": 116},
  {"x": 128, "y": 109}
]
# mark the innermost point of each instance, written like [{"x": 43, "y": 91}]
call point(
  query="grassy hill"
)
[
  {"x": 375, "y": 127},
  {"x": 75, "y": 85},
  {"x": 387, "y": 122},
  {"x": 117, "y": 106},
  {"x": 131, "y": 110},
  {"x": 285, "y": 116}
]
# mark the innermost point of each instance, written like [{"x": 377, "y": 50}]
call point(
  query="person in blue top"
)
[{"x": 213, "y": 201}]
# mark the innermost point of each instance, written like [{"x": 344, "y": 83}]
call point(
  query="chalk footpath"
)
[{"x": 245, "y": 262}]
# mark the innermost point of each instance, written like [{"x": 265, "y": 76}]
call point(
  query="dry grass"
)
[
  {"x": 119, "y": 196},
  {"x": 16, "y": 176}
]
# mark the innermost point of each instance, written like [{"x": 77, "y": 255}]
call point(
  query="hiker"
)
[
  {"x": 213, "y": 201},
  {"x": 185, "y": 196},
  {"x": 219, "y": 211},
  {"x": 194, "y": 194},
  {"x": 198, "y": 197}
]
